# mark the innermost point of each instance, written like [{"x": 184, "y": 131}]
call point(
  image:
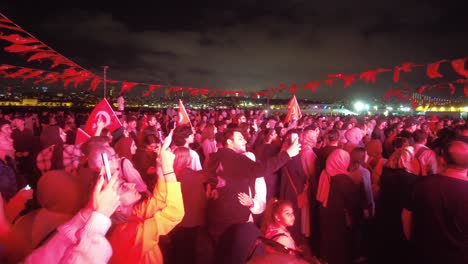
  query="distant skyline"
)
[{"x": 250, "y": 45}]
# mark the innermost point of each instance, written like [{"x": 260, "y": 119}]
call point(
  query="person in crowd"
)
[
  {"x": 332, "y": 141},
  {"x": 140, "y": 222},
  {"x": 153, "y": 127},
  {"x": 82, "y": 239},
  {"x": 378, "y": 132},
  {"x": 353, "y": 139},
  {"x": 24, "y": 145},
  {"x": 425, "y": 156},
  {"x": 269, "y": 148},
  {"x": 375, "y": 164},
  {"x": 396, "y": 184},
  {"x": 55, "y": 154},
  {"x": 229, "y": 173},
  {"x": 126, "y": 147},
  {"x": 299, "y": 178},
  {"x": 60, "y": 196},
  {"x": 208, "y": 140},
  {"x": 256, "y": 203},
  {"x": 187, "y": 235},
  {"x": 279, "y": 216},
  {"x": 183, "y": 136},
  {"x": 410, "y": 125},
  {"x": 435, "y": 219},
  {"x": 9, "y": 182},
  {"x": 339, "y": 211},
  {"x": 145, "y": 159}
]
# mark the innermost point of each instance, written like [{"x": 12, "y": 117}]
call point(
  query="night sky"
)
[{"x": 250, "y": 45}]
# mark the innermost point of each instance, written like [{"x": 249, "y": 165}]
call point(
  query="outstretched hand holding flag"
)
[{"x": 102, "y": 113}]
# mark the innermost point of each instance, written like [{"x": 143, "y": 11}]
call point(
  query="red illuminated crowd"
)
[{"x": 233, "y": 186}]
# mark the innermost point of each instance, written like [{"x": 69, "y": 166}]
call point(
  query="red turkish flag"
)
[
  {"x": 42, "y": 55},
  {"x": 459, "y": 67},
  {"x": 17, "y": 39},
  {"x": 311, "y": 85},
  {"x": 102, "y": 111},
  {"x": 33, "y": 74},
  {"x": 127, "y": 86},
  {"x": 432, "y": 70},
  {"x": 16, "y": 48},
  {"x": 183, "y": 116},
  {"x": 294, "y": 111},
  {"x": 151, "y": 88},
  {"x": 6, "y": 67},
  {"x": 81, "y": 136},
  {"x": 19, "y": 73},
  {"x": 94, "y": 84},
  {"x": 329, "y": 82},
  {"x": 348, "y": 80},
  {"x": 293, "y": 89},
  {"x": 452, "y": 88}
]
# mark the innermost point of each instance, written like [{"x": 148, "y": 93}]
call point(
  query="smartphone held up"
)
[{"x": 105, "y": 161}]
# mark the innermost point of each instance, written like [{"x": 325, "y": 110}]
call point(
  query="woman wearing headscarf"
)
[
  {"x": 340, "y": 206},
  {"x": 396, "y": 183}
]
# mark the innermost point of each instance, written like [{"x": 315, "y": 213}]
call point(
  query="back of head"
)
[
  {"x": 374, "y": 148},
  {"x": 50, "y": 135},
  {"x": 455, "y": 154},
  {"x": 180, "y": 134},
  {"x": 400, "y": 142},
  {"x": 60, "y": 192},
  {"x": 94, "y": 142},
  {"x": 358, "y": 155},
  {"x": 182, "y": 159},
  {"x": 419, "y": 136},
  {"x": 333, "y": 135}
]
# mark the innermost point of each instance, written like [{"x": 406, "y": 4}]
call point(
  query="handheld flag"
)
[
  {"x": 183, "y": 116},
  {"x": 294, "y": 112},
  {"x": 81, "y": 136},
  {"x": 102, "y": 111}
]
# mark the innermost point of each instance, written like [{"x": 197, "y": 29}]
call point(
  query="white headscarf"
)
[{"x": 337, "y": 163}]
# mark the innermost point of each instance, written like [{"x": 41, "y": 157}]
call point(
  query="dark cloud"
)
[{"x": 250, "y": 44}]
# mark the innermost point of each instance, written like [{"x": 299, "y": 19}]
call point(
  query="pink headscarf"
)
[{"x": 337, "y": 163}]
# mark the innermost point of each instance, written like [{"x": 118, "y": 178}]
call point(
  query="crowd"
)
[{"x": 233, "y": 186}]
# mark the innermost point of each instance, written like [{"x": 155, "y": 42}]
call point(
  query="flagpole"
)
[{"x": 105, "y": 82}]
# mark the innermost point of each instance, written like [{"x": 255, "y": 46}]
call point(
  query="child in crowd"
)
[{"x": 278, "y": 217}]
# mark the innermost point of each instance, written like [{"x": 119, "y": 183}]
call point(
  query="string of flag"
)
[{"x": 22, "y": 42}]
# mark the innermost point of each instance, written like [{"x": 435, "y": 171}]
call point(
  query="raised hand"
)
[
  {"x": 105, "y": 199},
  {"x": 294, "y": 148},
  {"x": 167, "y": 157}
]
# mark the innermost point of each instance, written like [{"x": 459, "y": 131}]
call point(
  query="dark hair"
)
[
  {"x": 150, "y": 139},
  {"x": 419, "y": 136},
  {"x": 130, "y": 119},
  {"x": 182, "y": 159},
  {"x": 333, "y": 135},
  {"x": 229, "y": 134},
  {"x": 399, "y": 142},
  {"x": 180, "y": 134},
  {"x": 358, "y": 156}
]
